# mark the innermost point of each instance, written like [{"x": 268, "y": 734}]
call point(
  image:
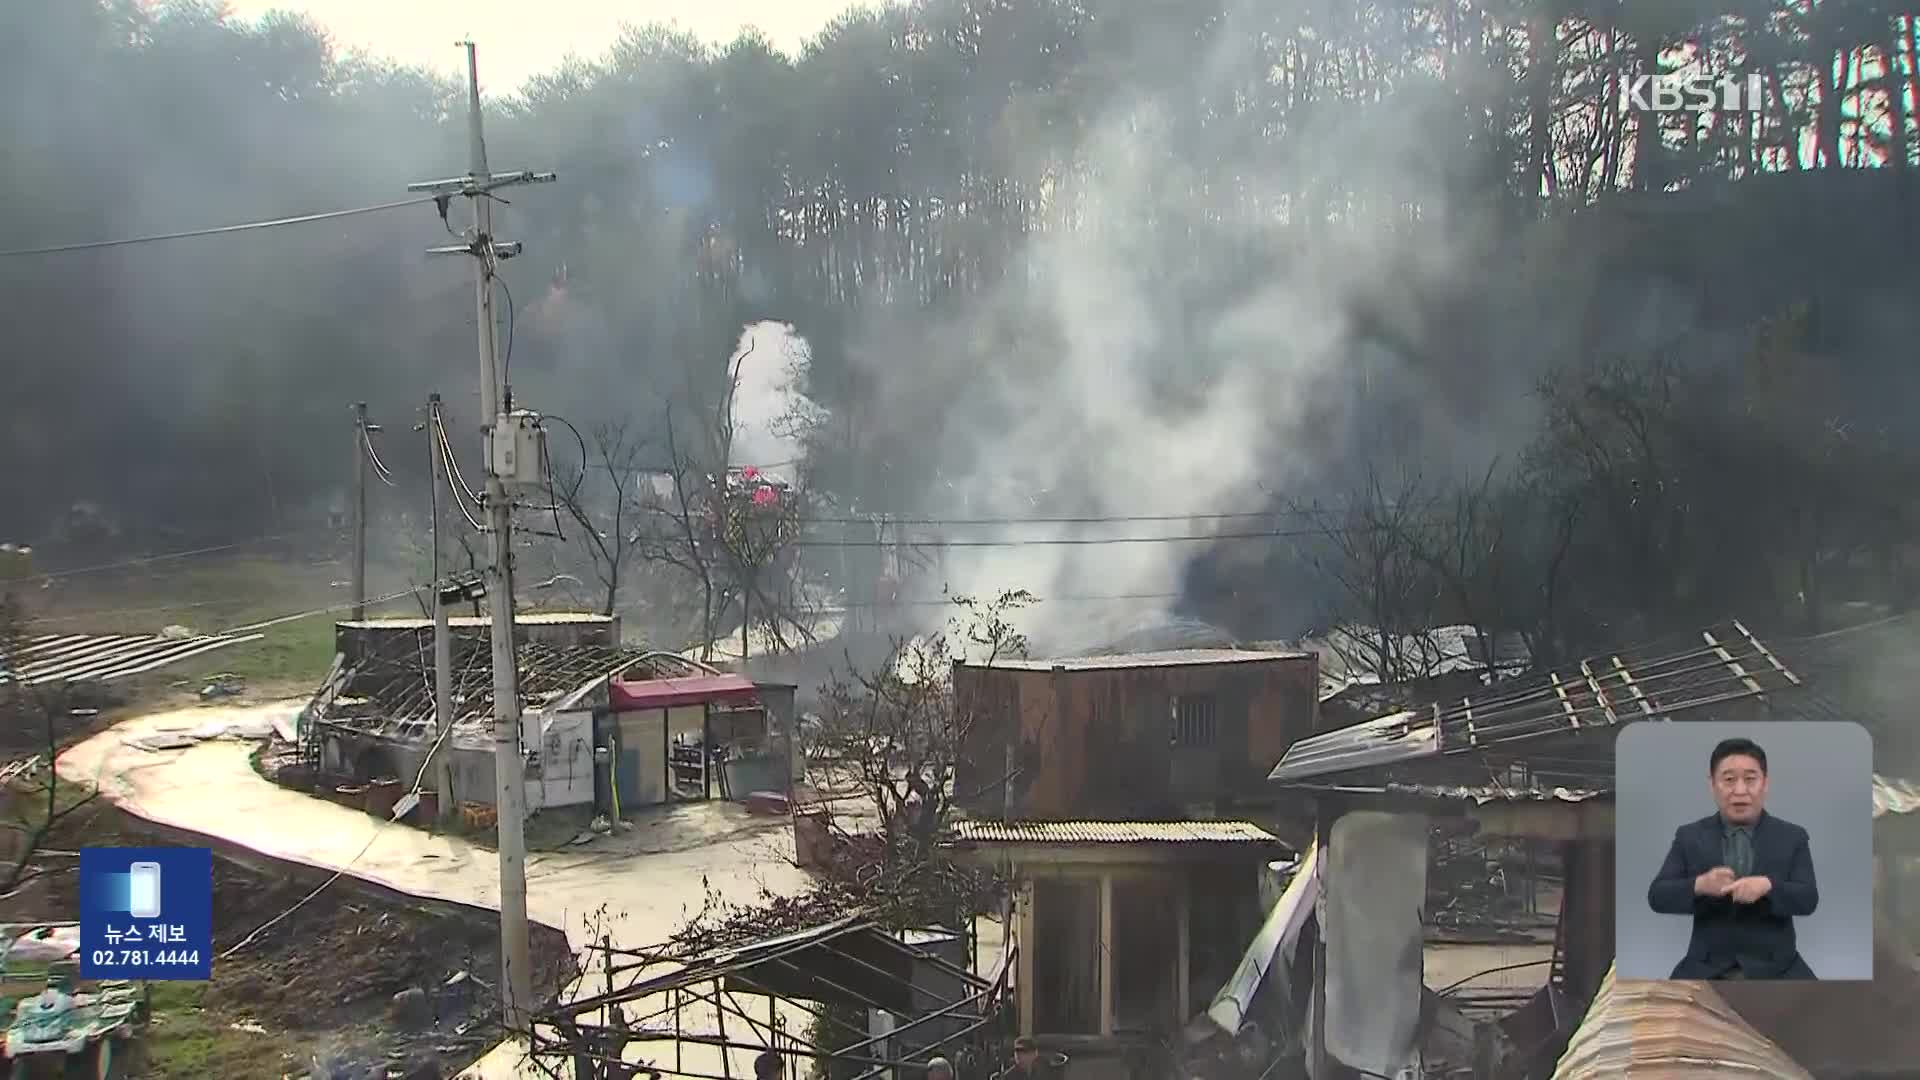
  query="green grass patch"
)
[
  {"x": 296, "y": 652},
  {"x": 220, "y": 594},
  {"x": 186, "y": 1040}
]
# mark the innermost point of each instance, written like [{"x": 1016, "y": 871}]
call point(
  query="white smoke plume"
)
[
  {"x": 1161, "y": 389},
  {"x": 769, "y": 407}
]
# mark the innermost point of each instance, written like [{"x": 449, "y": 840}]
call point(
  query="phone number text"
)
[{"x": 143, "y": 957}]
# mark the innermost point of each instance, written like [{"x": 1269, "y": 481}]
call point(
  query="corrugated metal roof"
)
[
  {"x": 1892, "y": 796},
  {"x": 1722, "y": 664},
  {"x": 687, "y": 690},
  {"x": 1401, "y": 736},
  {"x": 1110, "y": 832},
  {"x": 1477, "y": 793},
  {"x": 1167, "y": 658},
  {"x": 1673, "y": 1030},
  {"x": 106, "y": 657}
]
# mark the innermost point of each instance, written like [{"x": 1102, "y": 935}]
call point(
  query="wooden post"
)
[
  {"x": 1106, "y": 955},
  {"x": 606, "y": 945},
  {"x": 361, "y": 445},
  {"x": 1024, "y": 921}
]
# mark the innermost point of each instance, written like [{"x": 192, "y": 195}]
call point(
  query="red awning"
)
[{"x": 690, "y": 690}]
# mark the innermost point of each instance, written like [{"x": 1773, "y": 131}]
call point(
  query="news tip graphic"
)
[{"x": 146, "y": 913}]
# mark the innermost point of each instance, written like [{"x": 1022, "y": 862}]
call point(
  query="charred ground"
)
[{"x": 317, "y": 991}]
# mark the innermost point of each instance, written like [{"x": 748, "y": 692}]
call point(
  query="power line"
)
[
  {"x": 462, "y": 494},
  {"x": 1087, "y": 541},
  {"x": 275, "y": 621},
  {"x": 1039, "y": 598},
  {"x": 506, "y": 365},
  {"x": 328, "y": 610},
  {"x": 102, "y": 613},
  {"x": 379, "y": 467},
  {"x": 147, "y": 560},
  {"x": 94, "y": 245},
  {"x": 462, "y": 489},
  {"x": 1091, "y": 519},
  {"x": 1296, "y": 513},
  {"x": 419, "y": 779}
]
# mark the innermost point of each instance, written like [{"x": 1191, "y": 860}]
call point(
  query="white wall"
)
[
  {"x": 566, "y": 761},
  {"x": 1375, "y": 886}
]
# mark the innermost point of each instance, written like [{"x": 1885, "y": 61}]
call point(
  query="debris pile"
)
[
  {"x": 329, "y": 972},
  {"x": 895, "y": 891},
  {"x": 1472, "y": 885},
  {"x": 181, "y": 734}
]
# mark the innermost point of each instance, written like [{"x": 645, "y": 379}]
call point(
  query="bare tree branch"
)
[
  {"x": 610, "y": 510},
  {"x": 34, "y": 790}
]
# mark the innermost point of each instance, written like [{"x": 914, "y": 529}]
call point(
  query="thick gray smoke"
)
[{"x": 1165, "y": 381}]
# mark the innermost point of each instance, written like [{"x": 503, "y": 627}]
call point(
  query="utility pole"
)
[
  {"x": 432, "y": 427},
  {"x": 1317, "y": 1059},
  {"x": 359, "y": 511},
  {"x": 448, "y": 802},
  {"x": 443, "y": 597},
  {"x": 501, "y": 438}
]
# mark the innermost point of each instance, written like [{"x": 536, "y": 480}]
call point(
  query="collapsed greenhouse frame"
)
[{"x": 935, "y": 1006}]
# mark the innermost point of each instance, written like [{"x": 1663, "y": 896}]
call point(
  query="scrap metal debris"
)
[{"x": 223, "y": 685}]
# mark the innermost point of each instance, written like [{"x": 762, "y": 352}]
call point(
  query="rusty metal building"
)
[
  {"x": 581, "y": 692},
  {"x": 1149, "y": 736}
]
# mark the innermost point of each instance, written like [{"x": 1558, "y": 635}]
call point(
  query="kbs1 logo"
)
[{"x": 1693, "y": 93}]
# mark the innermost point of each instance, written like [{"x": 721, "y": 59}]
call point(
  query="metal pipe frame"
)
[
  {"x": 595, "y": 1035},
  {"x": 949, "y": 1010}
]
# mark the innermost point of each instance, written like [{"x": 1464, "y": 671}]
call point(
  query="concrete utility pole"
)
[
  {"x": 432, "y": 427},
  {"x": 1317, "y": 1060},
  {"x": 449, "y": 802},
  {"x": 359, "y": 511},
  {"x": 516, "y": 984}
]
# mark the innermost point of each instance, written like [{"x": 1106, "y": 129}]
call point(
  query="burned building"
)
[
  {"x": 1530, "y": 759},
  {"x": 676, "y": 730},
  {"x": 1149, "y": 736},
  {"x": 584, "y": 701}
]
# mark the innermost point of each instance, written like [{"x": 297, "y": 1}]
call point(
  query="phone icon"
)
[{"x": 143, "y": 890}]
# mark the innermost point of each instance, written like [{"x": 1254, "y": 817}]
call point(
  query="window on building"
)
[{"x": 1193, "y": 720}]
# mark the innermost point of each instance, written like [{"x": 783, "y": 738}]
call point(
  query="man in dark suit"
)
[{"x": 1742, "y": 874}]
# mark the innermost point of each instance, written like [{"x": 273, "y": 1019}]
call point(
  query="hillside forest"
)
[{"x": 1263, "y": 314}]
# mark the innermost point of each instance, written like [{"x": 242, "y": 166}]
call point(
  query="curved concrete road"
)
[{"x": 646, "y": 880}]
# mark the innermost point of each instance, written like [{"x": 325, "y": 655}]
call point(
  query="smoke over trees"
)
[{"x": 1103, "y": 261}]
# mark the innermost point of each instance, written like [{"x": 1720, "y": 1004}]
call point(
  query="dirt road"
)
[{"x": 646, "y": 885}]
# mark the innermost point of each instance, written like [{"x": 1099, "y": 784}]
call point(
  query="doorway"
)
[
  {"x": 689, "y": 754},
  {"x": 1066, "y": 960}
]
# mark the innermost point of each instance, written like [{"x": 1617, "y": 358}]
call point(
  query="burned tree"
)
[
  {"x": 675, "y": 532},
  {"x": 1370, "y": 549},
  {"x": 731, "y": 531},
  {"x": 901, "y": 728},
  {"x": 605, "y": 498},
  {"x": 1496, "y": 549},
  {"x": 755, "y": 520}
]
